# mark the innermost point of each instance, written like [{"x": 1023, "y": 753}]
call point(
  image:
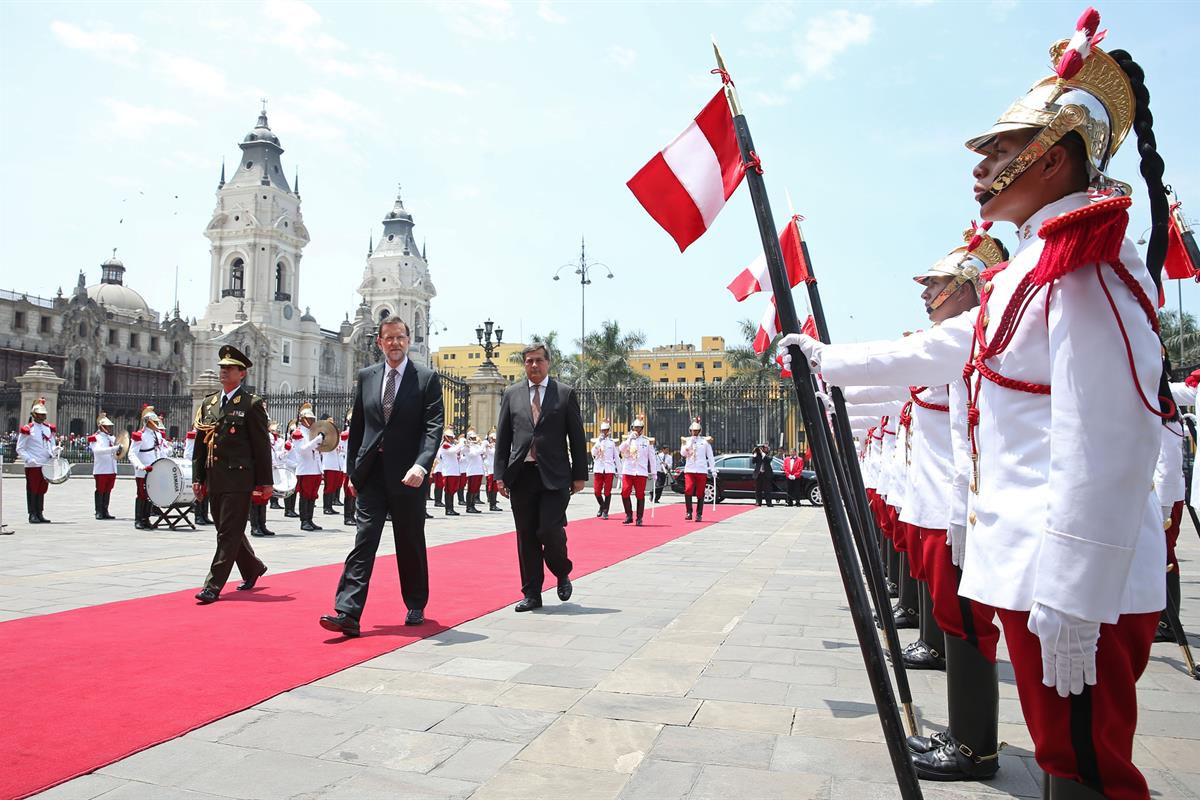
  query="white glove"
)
[
  {"x": 57, "y": 451},
  {"x": 824, "y": 398},
  {"x": 1068, "y": 648},
  {"x": 808, "y": 345},
  {"x": 956, "y": 537}
]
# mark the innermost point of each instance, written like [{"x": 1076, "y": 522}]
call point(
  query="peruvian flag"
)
[
  {"x": 757, "y": 278},
  {"x": 768, "y": 328},
  {"x": 1178, "y": 264},
  {"x": 686, "y": 184}
]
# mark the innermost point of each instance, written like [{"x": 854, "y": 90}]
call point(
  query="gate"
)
[
  {"x": 456, "y": 397},
  {"x": 77, "y": 412},
  {"x": 12, "y": 418}
]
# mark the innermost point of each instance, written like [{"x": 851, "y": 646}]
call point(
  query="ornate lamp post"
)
[
  {"x": 583, "y": 268},
  {"x": 484, "y": 335}
]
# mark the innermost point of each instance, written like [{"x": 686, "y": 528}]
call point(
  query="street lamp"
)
[
  {"x": 484, "y": 335},
  {"x": 584, "y": 270}
]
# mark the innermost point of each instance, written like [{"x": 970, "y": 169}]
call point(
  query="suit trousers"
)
[
  {"x": 540, "y": 514},
  {"x": 378, "y": 497},
  {"x": 762, "y": 487},
  {"x": 230, "y": 510}
]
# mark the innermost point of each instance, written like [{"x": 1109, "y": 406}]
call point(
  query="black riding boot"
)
[
  {"x": 255, "y": 528},
  {"x": 1165, "y": 632},
  {"x": 599, "y": 505},
  {"x": 462, "y": 496},
  {"x": 137, "y": 514},
  {"x": 328, "y": 508},
  {"x": 448, "y": 501},
  {"x": 275, "y": 503},
  {"x": 147, "y": 508},
  {"x": 104, "y": 501},
  {"x": 337, "y": 497},
  {"x": 628, "y": 504},
  {"x": 202, "y": 517},
  {"x": 969, "y": 750},
  {"x": 40, "y": 499},
  {"x": 437, "y": 496},
  {"x": 289, "y": 506},
  {"x": 492, "y": 504},
  {"x": 471, "y": 509},
  {"x": 1055, "y": 788},
  {"x": 96, "y": 501},
  {"x": 607, "y": 505},
  {"x": 307, "y": 507},
  {"x": 929, "y": 650},
  {"x": 31, "y": 507},
  {"x": 700, "y": 508},
  {"x": 687, "y": 504},
  {"x": 641, "y": 507},
  {"x": 262, "y": 521},
  {"x": 905, "y": 611}
]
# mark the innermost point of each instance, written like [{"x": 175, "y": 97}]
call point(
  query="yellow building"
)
[
  {"x": 461, "y": 361},
  {"x": 684, "y": 363}
]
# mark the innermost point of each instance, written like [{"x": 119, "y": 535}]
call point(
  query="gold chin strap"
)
[
  {"x": 1066, "y": 120},
  {"x": 947, "y": 293}
]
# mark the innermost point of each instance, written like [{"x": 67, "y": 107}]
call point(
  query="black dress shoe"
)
[
  {"x": 919, "y": 655},
  {"x": 206, "y": 596},
  {"x": 955, "y": 762},
  {"x": 688, "y": 515},
  {"x": 905, "y": 619},
  {"x": 1164, "y": 634},
  {"x": 893, "y": 591},
  {"x": 528, "y": 604},
  {"x": 450, "y": 512},
  {"x": 247, "y": 585},
  {"x": 427, "y": 516},
  {"x": 564, "y": 590},
  {"x": 923, "y": 744},
  {"x": 341, "y": 623},
  {"x": 628, "y": 521},
  {"x": 637, "y": 524},
  {"x": 415, "y": 616}
]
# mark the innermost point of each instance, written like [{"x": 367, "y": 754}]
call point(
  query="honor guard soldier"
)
[
  {"x": 104, "y": 449},
  {"x": 1170, "y": 483},
  {"x": 36, "y": 447},
  {"x": 348, "y": 505},
  {"x": 333, "y": 473},
  {"x": 146, "y": 445},
  {"x": 306, "y": 460},
  {"x": 278, "y": 455},
  {"x": 189, "y": 450},
  {"x": 472, "y": 462},
  {"x": 289, "y": 502},
  {"x": 664, "y": 464},
  {"x": 698, "y": 464},
  {"x": 637, "y": 464},
  {"x": 605, "y": 462},
  {"x": 259, "y": 501},
  {"x": 230, "y": 465},
  {"x": 450, "y": 469},
  {"x": 489, "y": 470}
]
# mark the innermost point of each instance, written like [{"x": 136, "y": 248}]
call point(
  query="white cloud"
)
[
  {"x": 102, "y": 43},
  {"x": 825, "y": 38},
  {"x": 297, "y": 26},
  {"x": 139, "y": 122},
  {"x": 769, "y": 99},
  {"x": 491, "y": 20},
  {"x": 192, "y": 74},
  {"x": 545, "y": 10},
  {"x": 771, "y": 17},
  {"x": 622, "y": 56}
]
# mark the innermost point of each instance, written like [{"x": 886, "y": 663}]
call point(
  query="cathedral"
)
[{"x": 255, "y": 301}]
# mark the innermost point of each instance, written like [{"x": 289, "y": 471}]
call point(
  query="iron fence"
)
[
  {"x": 456, "y": 397},
  {"x": 737, "y": 417}
]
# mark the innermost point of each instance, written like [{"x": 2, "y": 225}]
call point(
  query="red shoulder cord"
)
[
  {"x": 913, "y": 391},
  {"x": 906, "y": 423}
]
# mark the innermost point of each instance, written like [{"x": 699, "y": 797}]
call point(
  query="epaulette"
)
[
  {"x": 136, "y": 436},
  {"x": 345, "y": 435},
  {"x": 1084, "y": 236},
  {"x": 287, "y": 445},
  {"x": 26, "y": 429},
  {"x": 92, "y": 439},
  {"x": 53, "y": 428},
  {"x": 297, "y": 434},
  {"x": 191, "y": 434}
]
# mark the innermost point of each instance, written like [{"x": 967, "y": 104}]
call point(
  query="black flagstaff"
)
[{"x": 822, "y": 448}]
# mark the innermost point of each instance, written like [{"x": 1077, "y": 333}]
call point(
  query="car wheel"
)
[
  {"x": 814, "y": 494},
  {"x": 710, "y": 493}
]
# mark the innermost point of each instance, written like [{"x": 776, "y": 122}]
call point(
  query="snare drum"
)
[
  {"x": 284, "y": 481},
  {"x": 57, "y": 470},
  {"x": 169, "y": 482}
]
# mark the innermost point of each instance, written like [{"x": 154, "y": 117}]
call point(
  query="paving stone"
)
[
  {"x": 85, "y": 788},
  {"x": 264, "y": 775},
  {"x": 314, "y": 700},
  {"x": 721, "y": 783},
  {"x": 394, "y": 711},
  {"x": 637, "y": 707},
  {"x": 173, "y": 763},
  {"x": 728, "y": 748},
  {"x": 501, "y": 724},
  {"x": 480, "y": 668},
  {"x": 408, "y": 659},
  {"x": 408, "y": 751},
  {"x": 478, "y": 761},
  {"x": 524, "y": 780},
  {"x": 148, "y": 791},
  {"x": 574, "y": 677},
  {"x": 652, "y": 676},
  {"x": 740, "y": 689},
  {"x": 387, "y": 784},
  {"x": 744, "y": 717},
  {"x": 294, "y": 732},
  {"x": 661, "y": 780},
  {"x": 442, "y": 687},
  {"x": 593, "y": 743},
  {"x": 538, "y": 698},
  {"x": 215, "y": 731}
]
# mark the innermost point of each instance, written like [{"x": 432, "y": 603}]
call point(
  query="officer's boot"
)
[
  {"x": 687, "y": 504},
  {"x": 137, "y": 514},
  {"x": 471, "y": 509},
  {"x": 492, "y": 504},
  {"x": 147, "y": 507},
  {"x": 312, "y": 509},
  {"x": 448, "y": 501},
  {"x": 262, "y": 521},
  {"x": 462, "y": 495},
  {"x": 289, "y": 506},
  {"x": 628, "y": 504},
  {"x": 40, "y": 500},
  {"x": 700, "y": 508},
  {"x": 255, "y": 529},
  {"x": 905, "y": 612},
  {"x": 928, "y": 651},
  {"x": 1165, "y": 632},
  {"x": 307, "y": 507},
  {"x": 889, "y": 560},
  {"x": 641, "y": 507},
  {"x": 202, "y": 517},
  {"x": 1056, "y": 788},
  {"x": 329, "y": 510},
  {"x": 275, "y": 502},
  {"x": 337, "y": 497},
  {"x": 599, "y": 504},
  {"x": 96, "y": 500},
  {"x": 104, "y": 501},
  {"x": 607, "y": 504},
  {"x": 31, "y": 506},
  {"x": 437, "y": 496},
  {"x": 348, "y": 510},
  {"x": 969, "y": 750}
]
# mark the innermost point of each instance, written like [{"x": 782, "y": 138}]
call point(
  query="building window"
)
[
  {"x": 133, "y": 341},
  {"x": 646, "y": 365},
  {"x": 44, "y": 325},
  {"x": 699, "y": 365},
  {"x": 664, "y": 380},
  {"x": 681, "y": 380},
  {"x": 19, "y": 321},
  {"x": 716, "y": 380},
  {"x": 287, "y": 351},
  {"x": 681, "y": 365},
  {"x": 237, "y": 279},
  {"x": 80, "y": 374},
  {"x": 716, "y": 365},
  {"x": 153, "y": 344},
  {"x": 175, "y": 347},
  {"x": 663, "y": 365},
  {"x": 281, "y": 284},
  {"x": 83, "y": 330},
  {"x": 112, "y": 336}
]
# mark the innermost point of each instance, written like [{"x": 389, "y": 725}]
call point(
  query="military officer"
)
[
  {"x": 637, "y": 464},
  {"x": 604, "y": 468},
  {"x": 697, "y": 466},
  {"x": 36, "y": 446},
  {"x": 104, "y": 449},
  {"x": 232, "y": 462}
]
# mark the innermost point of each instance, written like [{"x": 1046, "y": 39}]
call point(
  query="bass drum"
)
[
  {"x": 284, "y": 481},
  {"x": 57, "y": 470},
  {"x": 169, "y": 482}
]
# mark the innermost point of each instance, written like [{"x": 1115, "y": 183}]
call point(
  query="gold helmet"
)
[
  {"x": 639, "y": 422},
  {"x": 695, "y": 426},
  {"x": 606, "y": 425},
  {"x": 150, "y": 418},
  {"x": 306, "y": 411},
  {"x": 1089, "y": 94},
  {"x": 103, "y": 420},
  {"x": 967, "y": 263},
  {"x": 39, "y": 407}
]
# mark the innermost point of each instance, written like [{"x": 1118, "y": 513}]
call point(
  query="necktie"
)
[
  {"x": 537, "y": 413},
  {"x": 389, "y": 395},
  {"x": 224, "y": 400}
]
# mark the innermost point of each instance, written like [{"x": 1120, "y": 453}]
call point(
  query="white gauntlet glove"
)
[
  {"x": 1068, "y": 648},
  {"x": 808, "y": 345},
  {"x": 956, "y": 537},
  {"x": 56, "y": 451}
]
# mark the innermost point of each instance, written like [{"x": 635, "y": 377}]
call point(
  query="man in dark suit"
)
[
  {"x": 541, "y": 460},
  {"x": 764, "y": 474},
  {"x": 394, "y": 431},
  {"x": 230, "y": 461}
]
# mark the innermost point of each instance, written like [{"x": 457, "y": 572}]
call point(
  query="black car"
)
[{"x": 735, "y": 478}]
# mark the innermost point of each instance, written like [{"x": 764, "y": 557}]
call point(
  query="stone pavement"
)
[{"x": 721, "y": 664}]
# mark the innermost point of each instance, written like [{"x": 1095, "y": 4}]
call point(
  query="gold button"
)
[
  {"x": 987, "y": 287},
  {"x": 1166, "y": 525},
  {"x": 986, "y": 320},
  {"x": 971, "y": 518}
]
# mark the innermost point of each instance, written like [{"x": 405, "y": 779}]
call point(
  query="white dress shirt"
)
[{"x": 399, "y": 377}]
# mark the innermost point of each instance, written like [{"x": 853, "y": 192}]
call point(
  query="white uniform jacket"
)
[
  {"x": 189, "y": 445},
  {"x": 448, "y": 455},
  {"x": 104, "y": 453},
  {"x": 343, "y": 439},
  {"x": 604, "y": 456},
  {"x": 36, "y": 444},
  {"x": 472, "y": 459},
  {"x": 698, "y": 456},
  {"x": 489, "y": 459},
  {"x": 332, "y": 461},
  {"x": 637, "y": 456},
  {"x": 304, "y": 455},
  {"x": 279, "y": 451},
  {"x": 145, "y": 447}
]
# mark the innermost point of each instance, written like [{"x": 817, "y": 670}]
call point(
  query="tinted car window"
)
[
  {"x": 736, "y": 462},
  {"x": 777, "y": 464}
]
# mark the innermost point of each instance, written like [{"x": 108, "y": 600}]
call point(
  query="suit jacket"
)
[
  {"x": 762, "y": 464},
  {"x": 240, "y": 441},
  {"x": 410, "y": 436},
  {"x": 561, "y": 445}
]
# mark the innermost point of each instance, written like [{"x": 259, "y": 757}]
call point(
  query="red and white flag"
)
[
  {"x": 768, "y": 328},
  {"x": 686, "y": 184},
  {"x": 757, "y": 278}
]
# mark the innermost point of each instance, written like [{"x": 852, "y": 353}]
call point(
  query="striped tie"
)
[{"x": 389, "y": 395}]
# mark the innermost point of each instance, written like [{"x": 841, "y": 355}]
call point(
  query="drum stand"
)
[{"x": 174, "y": 516}]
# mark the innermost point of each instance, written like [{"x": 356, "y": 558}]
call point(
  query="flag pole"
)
[
  {"x": 867, "y": 535},
  {"x": 822, "y": 449}
]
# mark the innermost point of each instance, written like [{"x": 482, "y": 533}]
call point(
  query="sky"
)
[{"x": 512, "y": 128}]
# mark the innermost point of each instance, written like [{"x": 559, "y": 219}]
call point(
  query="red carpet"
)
[{"x": 88, "y": 687}]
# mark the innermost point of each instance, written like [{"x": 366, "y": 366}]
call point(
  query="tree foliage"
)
[{"x": 751, "y": 368}]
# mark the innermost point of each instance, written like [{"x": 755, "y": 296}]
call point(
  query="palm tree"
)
[
  {"x": 1177, "y": 338},
  {"x": 560, "y": 367},
  {"x": 751, "y": 368},
  {"x": 604, "y": 358}
]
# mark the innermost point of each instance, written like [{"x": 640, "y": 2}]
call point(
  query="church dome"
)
[
  {"x": 118, "y": 296},
  {"x": 114, "y": 262},
  {"x": 262, "y": 132}
]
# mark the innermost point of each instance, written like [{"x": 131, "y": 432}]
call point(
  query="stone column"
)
[
  {"x": 487, "y": 386},
  {"x": 39, "y": 381},
  {"x": 205, "y": 384}
]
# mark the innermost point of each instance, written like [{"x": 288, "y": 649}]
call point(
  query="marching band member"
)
[
  {"x": 697, "y": 466},
  {"x": 489, "y": 468},
  {"x": 258, "y": 501},
  {"x": 104, "y": 449},
  {"x": 472, "y": 462},
  {"x": 604, "y": 468},
  {"x": 279, "y": 451},
  {"x": 36, "y": 446},
  {"x": 331, "y": 469},
  {"x": 144, "y": 449},
  {"x": 201, "y": 506},
  {"x": 451, "y": 471},
  {"x": 1169, "y": 482},
  {"x": 438, "y": 483},
  {"x": 289, "y": 502},
  {"x": 350, "y": 503},
  {"x": 306, "y": 460},
  {"x": 637, "y": 464}
]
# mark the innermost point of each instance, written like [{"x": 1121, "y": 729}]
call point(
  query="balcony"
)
[
  {"x": 283, "y": 297},
  {"x": 232, "y": 293}
]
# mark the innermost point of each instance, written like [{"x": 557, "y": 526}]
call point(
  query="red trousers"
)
[
  {"x": 694, "y": 483},
  {"x": 308, "y": 486},
  {"x": 893, "y": 525},
  {"x": 491, "y": 483},
  {"x": 439, "y": 480},
  {"x": 452, "y": 483},
  {"x": 105, "y": 483},
  {"x": 1173, "y": 535},
  {"x": 602, "y": 483},
  {"x": 907, "y": 540},
  {"x": 35, "y": 481},
  {"x": 1086, "y": 737},
  {"x": 141, "y": 488},
  {"x": 333, "y": 480},
  {"x": 473, "y": 483},
  {"x": 630, "y": 483},
  {"x": 877, "y": 506},
  {"x": 957, "y": 616}
]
